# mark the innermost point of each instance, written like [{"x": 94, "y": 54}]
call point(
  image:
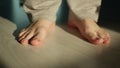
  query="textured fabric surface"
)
[
  {"x": 85, "y": 8},
  {"x": 63, "y": 48},
  {"x": 42, "y": 9},
  {"x": 47, "y": 9}
]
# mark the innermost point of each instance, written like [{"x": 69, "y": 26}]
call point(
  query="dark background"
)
[{"x": 110, "y": 14}]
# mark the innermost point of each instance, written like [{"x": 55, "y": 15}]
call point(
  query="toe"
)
[
  {"x": 107, "y": 39},
  {"x": 24, "y": 39},
  {"x": 21, "y": 33},
  {"x": 98, "y": 41},
  {"x": 36, "y": 42},
  {"x": 105, "y": 36},
  {"x": 94, "y": 38},
  {"x": 38, "y": 38}
]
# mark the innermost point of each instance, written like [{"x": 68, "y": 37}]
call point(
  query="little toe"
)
[{"x": 24, "y": 41}]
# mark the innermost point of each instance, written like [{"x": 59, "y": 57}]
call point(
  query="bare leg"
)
[
  {"x": 90, "y": 30},
  {"x": 36, "y": 32}
]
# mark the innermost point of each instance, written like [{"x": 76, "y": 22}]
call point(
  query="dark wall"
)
[
  {"x": 6, "y": 8},
  {"x": 110, "y": 12}
]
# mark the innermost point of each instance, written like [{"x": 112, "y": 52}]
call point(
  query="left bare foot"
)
[{"x": 36, "y": 33}]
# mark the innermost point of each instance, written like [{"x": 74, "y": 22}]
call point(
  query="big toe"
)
[
  {"x": 38, "y": 38},
  {"x": 36, "y": 42},
  {"x": 98, "y": 41}
]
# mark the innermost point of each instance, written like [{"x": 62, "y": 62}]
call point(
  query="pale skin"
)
[
  {"x": 36, "y": 33},
  {"x": 89, "y": 30}
]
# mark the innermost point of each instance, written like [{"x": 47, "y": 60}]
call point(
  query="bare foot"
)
[
  {"x": 36, "y": 32},
  {"x": 90, "y": 31}
]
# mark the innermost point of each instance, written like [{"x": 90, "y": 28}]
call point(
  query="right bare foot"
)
[
  {"x": 89, "y": 30},
  {"x": 36, "y": 32}
]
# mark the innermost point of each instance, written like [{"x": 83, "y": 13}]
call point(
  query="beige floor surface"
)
[{"x": 62, "y": 49}]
